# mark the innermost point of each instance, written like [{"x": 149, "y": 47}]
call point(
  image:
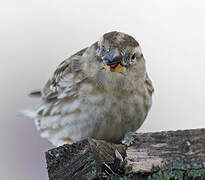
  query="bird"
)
[{"x": 103, "y": 91}]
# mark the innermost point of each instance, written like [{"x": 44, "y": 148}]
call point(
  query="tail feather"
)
[
  {"x": 35, "y": 93},
  {"x": 28, "y": 113}
]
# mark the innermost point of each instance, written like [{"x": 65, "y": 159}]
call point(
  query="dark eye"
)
[{"x": 133, "y": 56}]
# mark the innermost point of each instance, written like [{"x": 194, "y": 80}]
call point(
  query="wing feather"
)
[
  {"x": 61, "y": 83},
  {"x": 59, "y": 100}
]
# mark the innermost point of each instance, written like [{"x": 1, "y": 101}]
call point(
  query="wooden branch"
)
[{"x": 161, "y": 155}]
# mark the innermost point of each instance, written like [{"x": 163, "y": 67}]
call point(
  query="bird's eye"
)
[{"x": 133, "y": 56}]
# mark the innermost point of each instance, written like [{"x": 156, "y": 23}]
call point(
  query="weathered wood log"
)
[{"x": 160, "y": 155}]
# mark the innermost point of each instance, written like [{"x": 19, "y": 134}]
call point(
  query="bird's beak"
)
[{"x": 112, "y": 61}]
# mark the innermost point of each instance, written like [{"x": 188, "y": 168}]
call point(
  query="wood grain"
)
[{"x": 170, "y": 154}]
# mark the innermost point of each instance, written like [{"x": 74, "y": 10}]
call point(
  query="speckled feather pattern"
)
[{"x": 84, "y": 100}]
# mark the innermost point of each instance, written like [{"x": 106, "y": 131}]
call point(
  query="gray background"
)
[{"x": 36, "y": 35}]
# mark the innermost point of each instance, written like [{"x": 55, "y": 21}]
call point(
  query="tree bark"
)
[{"x": 160, "y": 155}]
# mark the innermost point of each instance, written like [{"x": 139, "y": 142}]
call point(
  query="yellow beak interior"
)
[{"x": 118, "y": 69}]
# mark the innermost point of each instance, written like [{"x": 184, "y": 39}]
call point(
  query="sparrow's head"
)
[
  {"x": 119, "y": 52},
  {"x": 115, "y": 61}
]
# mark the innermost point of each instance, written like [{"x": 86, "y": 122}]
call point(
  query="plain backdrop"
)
[{"x": 36, "y": 35}]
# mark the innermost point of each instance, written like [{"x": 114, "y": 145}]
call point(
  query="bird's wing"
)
[
  {"x": 56, "y": 117},
  {"x": 61, "y": 83}
]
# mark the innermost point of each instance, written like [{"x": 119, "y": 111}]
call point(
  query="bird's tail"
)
[
  {"x": 35, "y": 93},
  {"x": 32, "y": 114}
]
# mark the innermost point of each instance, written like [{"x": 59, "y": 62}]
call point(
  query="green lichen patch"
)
[
  {"x": 92, "y": 174},
  {"x": 129, "y": 139},
  {"x": 178, "y": 170}
]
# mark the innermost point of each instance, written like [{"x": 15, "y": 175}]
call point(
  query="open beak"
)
[{"x": 112, "y": 61}]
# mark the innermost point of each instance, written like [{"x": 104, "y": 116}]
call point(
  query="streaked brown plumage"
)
[{"x": 102, "y": 91}]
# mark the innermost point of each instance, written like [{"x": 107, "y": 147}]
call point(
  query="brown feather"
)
[
  {"x": 68, "y": 140},
  {"x": 70, "y": 65}
]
